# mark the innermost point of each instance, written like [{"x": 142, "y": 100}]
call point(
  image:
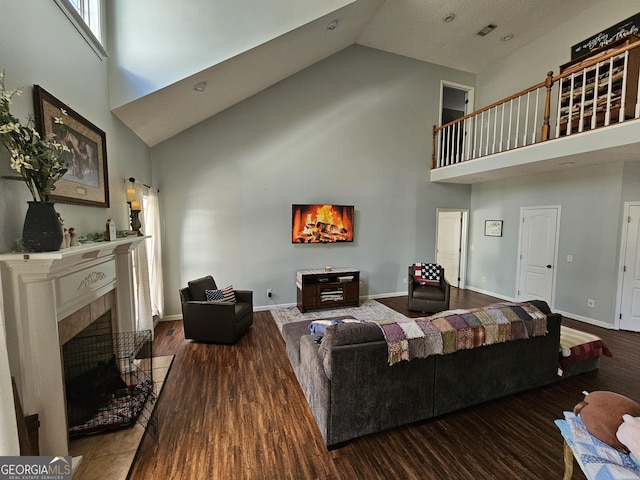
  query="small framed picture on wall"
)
[{"x": 493, "y": 228}]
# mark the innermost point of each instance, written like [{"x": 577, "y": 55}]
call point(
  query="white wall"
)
[
  {"x": 591, "y": 198},
  {"x": 590, "y": 226},
  {"x": 530, "y": 64},
  {"x": 352, "y": 129},
  {"x": 38, "y": 45}
]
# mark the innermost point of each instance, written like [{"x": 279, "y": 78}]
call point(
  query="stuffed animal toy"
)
[
  {"x": 629, "y": 435},
  {"x": 602, "y": 412}
]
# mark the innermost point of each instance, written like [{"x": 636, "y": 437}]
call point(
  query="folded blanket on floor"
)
[
  {"x": 449, "y": 331},
  {"x": 577, "y": 346},
  {"x": 119, "y": 412}
]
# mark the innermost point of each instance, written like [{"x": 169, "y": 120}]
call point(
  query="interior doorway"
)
[
  {"x": 628, "y": 317},
  {"x": 538, "y": 253},
  {"x": 456, "y": 101},
  {"x": 451, "y": 244}
]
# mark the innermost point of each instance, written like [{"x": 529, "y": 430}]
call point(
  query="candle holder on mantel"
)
[
  {"x": 134, "y": 211},
  {"x": 135, "y": 221}
]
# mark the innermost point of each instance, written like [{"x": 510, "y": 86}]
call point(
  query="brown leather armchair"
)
[
  {"x": 429, "y": 297},
  {"x": 214, "y": 321}
]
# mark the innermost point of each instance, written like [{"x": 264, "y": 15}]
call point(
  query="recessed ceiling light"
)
[
  {"x": 332, "y": 25},
  {"x": 200, "y": 86},
  {"x": 507, "y": 37},
  {"x": 488, "y": 29},
  {"x": 449, "y": 17}
]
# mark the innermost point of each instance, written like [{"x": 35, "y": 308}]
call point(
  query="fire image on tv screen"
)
[{"x": 322, "y": 223}]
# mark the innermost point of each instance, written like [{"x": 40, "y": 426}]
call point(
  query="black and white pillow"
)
[
  {"x": 427, "y": 273},
  {"x": 213, "y": 295}
]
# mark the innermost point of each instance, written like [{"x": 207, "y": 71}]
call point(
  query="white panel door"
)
[
  {"x": 630, "y": 307},
  {"x": 449, "y": 245},
  {"x": 538, "y": 253}
]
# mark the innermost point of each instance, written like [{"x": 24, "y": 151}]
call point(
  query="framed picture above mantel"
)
[{"x": 86, "y": 181}]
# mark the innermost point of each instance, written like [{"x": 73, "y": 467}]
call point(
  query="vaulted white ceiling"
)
[{"x": 153, "y": 93}]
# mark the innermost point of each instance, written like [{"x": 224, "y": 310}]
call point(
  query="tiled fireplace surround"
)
[{"x": 49, "y": 298}]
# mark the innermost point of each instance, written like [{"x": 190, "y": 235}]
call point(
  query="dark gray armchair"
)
[
  {"x": 214, "y": 321},
  {"x": 429, "y": 297}
]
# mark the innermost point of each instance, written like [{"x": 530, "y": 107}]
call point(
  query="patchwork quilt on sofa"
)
[{"x": 452, "y": 330}]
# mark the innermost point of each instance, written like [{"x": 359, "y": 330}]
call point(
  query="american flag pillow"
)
[
  {"x": 226, "y": 295},
  {"x": 427, "y": 272}
]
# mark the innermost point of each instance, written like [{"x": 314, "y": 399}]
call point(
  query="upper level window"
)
[
  {"x": 89, "y": 10},
  {"x": 86, "y": 17}
]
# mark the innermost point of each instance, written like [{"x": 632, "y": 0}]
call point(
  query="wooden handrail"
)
[
  {"x": 433, "y": 147},
  {"x": 493, "y": 105}
]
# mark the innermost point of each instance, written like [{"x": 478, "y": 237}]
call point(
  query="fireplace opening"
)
[{"x": 108, "y": 378}]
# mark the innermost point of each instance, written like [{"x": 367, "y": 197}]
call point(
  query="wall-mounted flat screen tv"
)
[{"x": 319, "y": 223}]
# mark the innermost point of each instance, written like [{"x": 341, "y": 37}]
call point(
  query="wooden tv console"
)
[{"x": 322, "y": 288}]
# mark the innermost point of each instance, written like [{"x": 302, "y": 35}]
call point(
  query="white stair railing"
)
[{"x": 591, "y": 94}]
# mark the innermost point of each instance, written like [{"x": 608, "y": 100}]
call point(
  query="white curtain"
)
[
  {"x": 151, "y": 226},
  {"x": 142, "y": 292}
]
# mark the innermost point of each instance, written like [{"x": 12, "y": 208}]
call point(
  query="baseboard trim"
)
[
  {"x": 262, "y": 308},
  {"x": 590, "y": 321},
  {"x": 491, "y": 294},
  {"x": 570, "y": 315}
]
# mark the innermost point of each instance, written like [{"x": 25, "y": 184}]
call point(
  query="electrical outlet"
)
[
  {"x": 484, "y": 279},
  {"x": 269, "y": 292},
  {"x": 591, "y": 302}
]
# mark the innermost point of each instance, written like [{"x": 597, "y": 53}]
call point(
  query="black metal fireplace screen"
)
[{"x": 109, "y": 382}]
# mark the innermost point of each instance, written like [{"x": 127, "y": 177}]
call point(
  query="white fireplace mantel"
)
[{"x": 40, "y": 289}]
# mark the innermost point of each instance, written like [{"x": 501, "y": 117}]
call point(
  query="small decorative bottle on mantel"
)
[
  {"x": 111, "y": 230},
  {"x": 64, "y": 243},
  {"x": 72, "y": 235}
]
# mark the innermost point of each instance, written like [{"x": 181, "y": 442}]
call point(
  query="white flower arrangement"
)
[{"x": 39, "y": 161}]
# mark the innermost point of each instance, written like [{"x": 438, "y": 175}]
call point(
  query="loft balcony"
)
[{"x": 587, "y": 114}]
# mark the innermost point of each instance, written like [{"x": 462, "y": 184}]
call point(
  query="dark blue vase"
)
[{"x": 42, "y": 231}]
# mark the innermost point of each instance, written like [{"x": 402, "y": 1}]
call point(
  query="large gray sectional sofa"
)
[{"x": 353, "y": 391}]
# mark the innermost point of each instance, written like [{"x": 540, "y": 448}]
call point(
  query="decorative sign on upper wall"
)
[{"x": 620, "y": 30}]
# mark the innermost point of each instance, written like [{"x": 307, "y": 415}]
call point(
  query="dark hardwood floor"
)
[{"x": 237, "y": 412}]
